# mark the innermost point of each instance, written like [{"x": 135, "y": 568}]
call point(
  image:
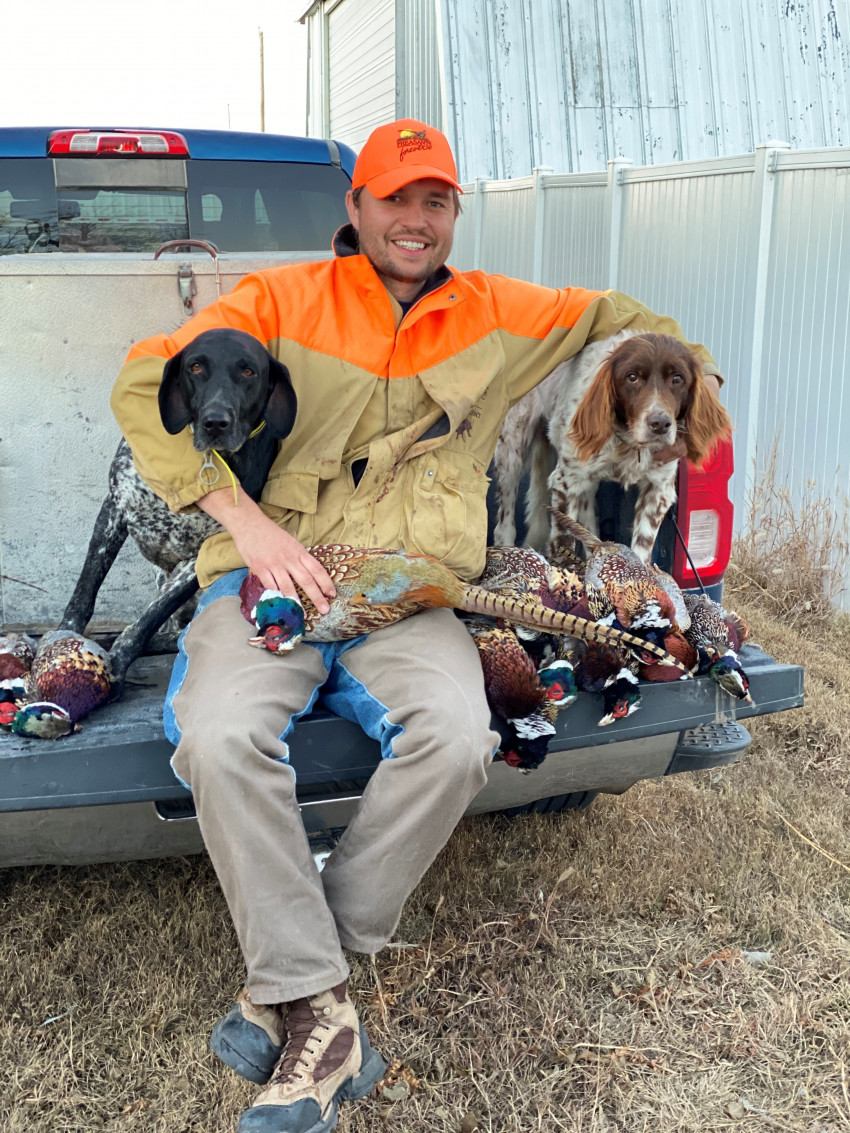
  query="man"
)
[{"x": 404, "y": 371}]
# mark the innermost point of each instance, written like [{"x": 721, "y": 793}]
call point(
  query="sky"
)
[{"x": 166, "y": 63}]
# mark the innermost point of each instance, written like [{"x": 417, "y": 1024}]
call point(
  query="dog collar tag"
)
[{"x": 209, "y": 475}]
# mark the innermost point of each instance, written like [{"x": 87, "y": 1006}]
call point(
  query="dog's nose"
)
[
  {"x": 659, "y": 423},
  {"x": 215, "y": 421}
]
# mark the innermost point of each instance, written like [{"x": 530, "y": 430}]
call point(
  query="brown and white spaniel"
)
[{"x": 605, "y": 412}]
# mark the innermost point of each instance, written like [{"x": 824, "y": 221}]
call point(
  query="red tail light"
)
[
  {"x": 117, "y": 143},
  {"x": 705, "y": 518}
]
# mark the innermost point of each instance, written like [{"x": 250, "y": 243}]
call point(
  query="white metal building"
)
[{"x": 572, "y": 84}]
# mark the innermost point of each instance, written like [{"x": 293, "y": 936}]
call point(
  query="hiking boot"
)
[
  {"x": 249, "y": 1038},
  {"x": 327, "y": 1059}
]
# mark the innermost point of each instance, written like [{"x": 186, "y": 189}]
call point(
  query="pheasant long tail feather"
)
[
  {"x": 477, "y": 600},
  {"x": 569, "y": 526}
]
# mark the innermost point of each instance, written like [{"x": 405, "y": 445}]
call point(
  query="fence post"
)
[
  {"x": 478, "y": 231},
  {"x": 614, "y": 199},
  {"x": 540, "y": 172},
  {"x": 764, "y": 189}
]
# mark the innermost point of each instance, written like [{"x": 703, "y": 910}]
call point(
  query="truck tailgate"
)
[{"x": 122, "y": 755}]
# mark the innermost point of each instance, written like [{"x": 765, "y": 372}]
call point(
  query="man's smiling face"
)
[{"x": 407, "y": 235}]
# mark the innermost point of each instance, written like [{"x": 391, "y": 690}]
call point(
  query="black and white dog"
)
[{"x": 225, "y": 385}]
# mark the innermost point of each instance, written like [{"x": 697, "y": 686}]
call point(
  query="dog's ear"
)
[
  {"x": 593, "y": 423},
  {"x": 705, "y": 420},
  {"x": 173, "y": 407},
  {"x": 282, "y": 403}
]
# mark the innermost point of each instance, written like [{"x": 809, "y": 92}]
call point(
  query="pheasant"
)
[
  {"x": 41, "y": 718},
  {"x": 519, "y": 572},
  {"x": 526, "y": 700},
  {"x": 675, "y": 641},
  {"x": 375, "y": 588},
  {"x": 13, "y": 693},
  {"x": 72, "y": 672},
  {"x": 607, "y": 669},
  {"x": 16, "y": 653},
  {"x": 717, "y": 636},
  {"x": 620, "y": 587},
  {"x": 623, "y": 592}
]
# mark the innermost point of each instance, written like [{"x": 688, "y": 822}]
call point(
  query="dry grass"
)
[
  {"x": 581, "y": 973},
  {"x": 793, "y": 554}
]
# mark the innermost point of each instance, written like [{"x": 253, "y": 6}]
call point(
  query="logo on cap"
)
[{"x": 410, "y": 141}]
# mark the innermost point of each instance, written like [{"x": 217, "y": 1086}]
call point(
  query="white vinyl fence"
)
[{"x": 751, "y": 254}]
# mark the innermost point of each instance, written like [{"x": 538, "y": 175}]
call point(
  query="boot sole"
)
[{"x": 258, "y": 1066}]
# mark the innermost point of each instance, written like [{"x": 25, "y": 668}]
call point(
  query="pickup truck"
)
[{"x": 107, "y": 236}]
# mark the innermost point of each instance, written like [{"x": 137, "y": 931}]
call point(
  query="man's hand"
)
[
  {"x": 273, "y": 555},
  {"x": 678, "y": 449}
]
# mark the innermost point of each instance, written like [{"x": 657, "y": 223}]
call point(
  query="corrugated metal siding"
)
[
  {"x": 573, "y": 83},
  {"x": 361, "y": 68},
  {"x": 771, "y": 299},
  {"x": 575, "y": 231},
  {"x": 418, "y": 62},
  {"x": 687, "y": 248},
  {"x": 805, "y": 399},
  {"x": 508, "y": 246}
]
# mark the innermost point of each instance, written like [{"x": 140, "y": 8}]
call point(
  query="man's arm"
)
[{"x": 274, "y": 556}]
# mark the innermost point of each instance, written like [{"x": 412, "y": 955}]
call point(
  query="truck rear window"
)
[{"x": 124, "y": 206}]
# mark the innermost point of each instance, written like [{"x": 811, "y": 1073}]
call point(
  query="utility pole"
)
[{"x": 262, "y": 86}]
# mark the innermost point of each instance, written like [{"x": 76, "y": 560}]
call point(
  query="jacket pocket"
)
[
  {"x": 447, "y": 515},
  {"x": 291, "y": 500}
]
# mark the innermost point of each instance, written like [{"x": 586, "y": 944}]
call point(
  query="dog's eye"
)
[
  {"x": 632, "y": 377},
  {"x": 676, "y": 379},
  {"x": 247, "y": 372},
  {"x": 195, "y": 368}
]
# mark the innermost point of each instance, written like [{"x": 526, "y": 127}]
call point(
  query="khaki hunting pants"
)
[{"x": 422, "y": 676}]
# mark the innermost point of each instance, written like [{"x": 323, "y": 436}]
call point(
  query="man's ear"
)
[
  {"x": 173, "y": 407},
  {"x": 352, "y": 209},
  {"x": 282, "y": 403}
]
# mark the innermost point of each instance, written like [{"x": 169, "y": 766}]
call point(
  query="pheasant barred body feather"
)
[
  {"x": 681, "y": 619},
  {"x": 72, "y": 672},
  {"x": 510, "y": 675},
  {"x": 376, "y": 588},
  {"x": 619, "y": 585},
  {"x": 521, "y": 571},
  {"x": 526, "y": 700}
]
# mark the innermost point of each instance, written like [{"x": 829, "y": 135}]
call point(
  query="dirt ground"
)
[{"x": 588, "y": 972}]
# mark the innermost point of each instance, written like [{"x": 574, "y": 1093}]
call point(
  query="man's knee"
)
[{"x": 454, "y": 730}]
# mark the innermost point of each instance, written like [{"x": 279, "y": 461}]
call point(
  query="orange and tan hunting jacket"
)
[{"x": 371, "y": 384}]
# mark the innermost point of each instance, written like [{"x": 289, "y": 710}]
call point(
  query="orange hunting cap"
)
[{"x": 402, "y": 152}]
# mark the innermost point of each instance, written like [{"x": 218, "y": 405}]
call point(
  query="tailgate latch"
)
[{"x": 187, "y": 287}]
